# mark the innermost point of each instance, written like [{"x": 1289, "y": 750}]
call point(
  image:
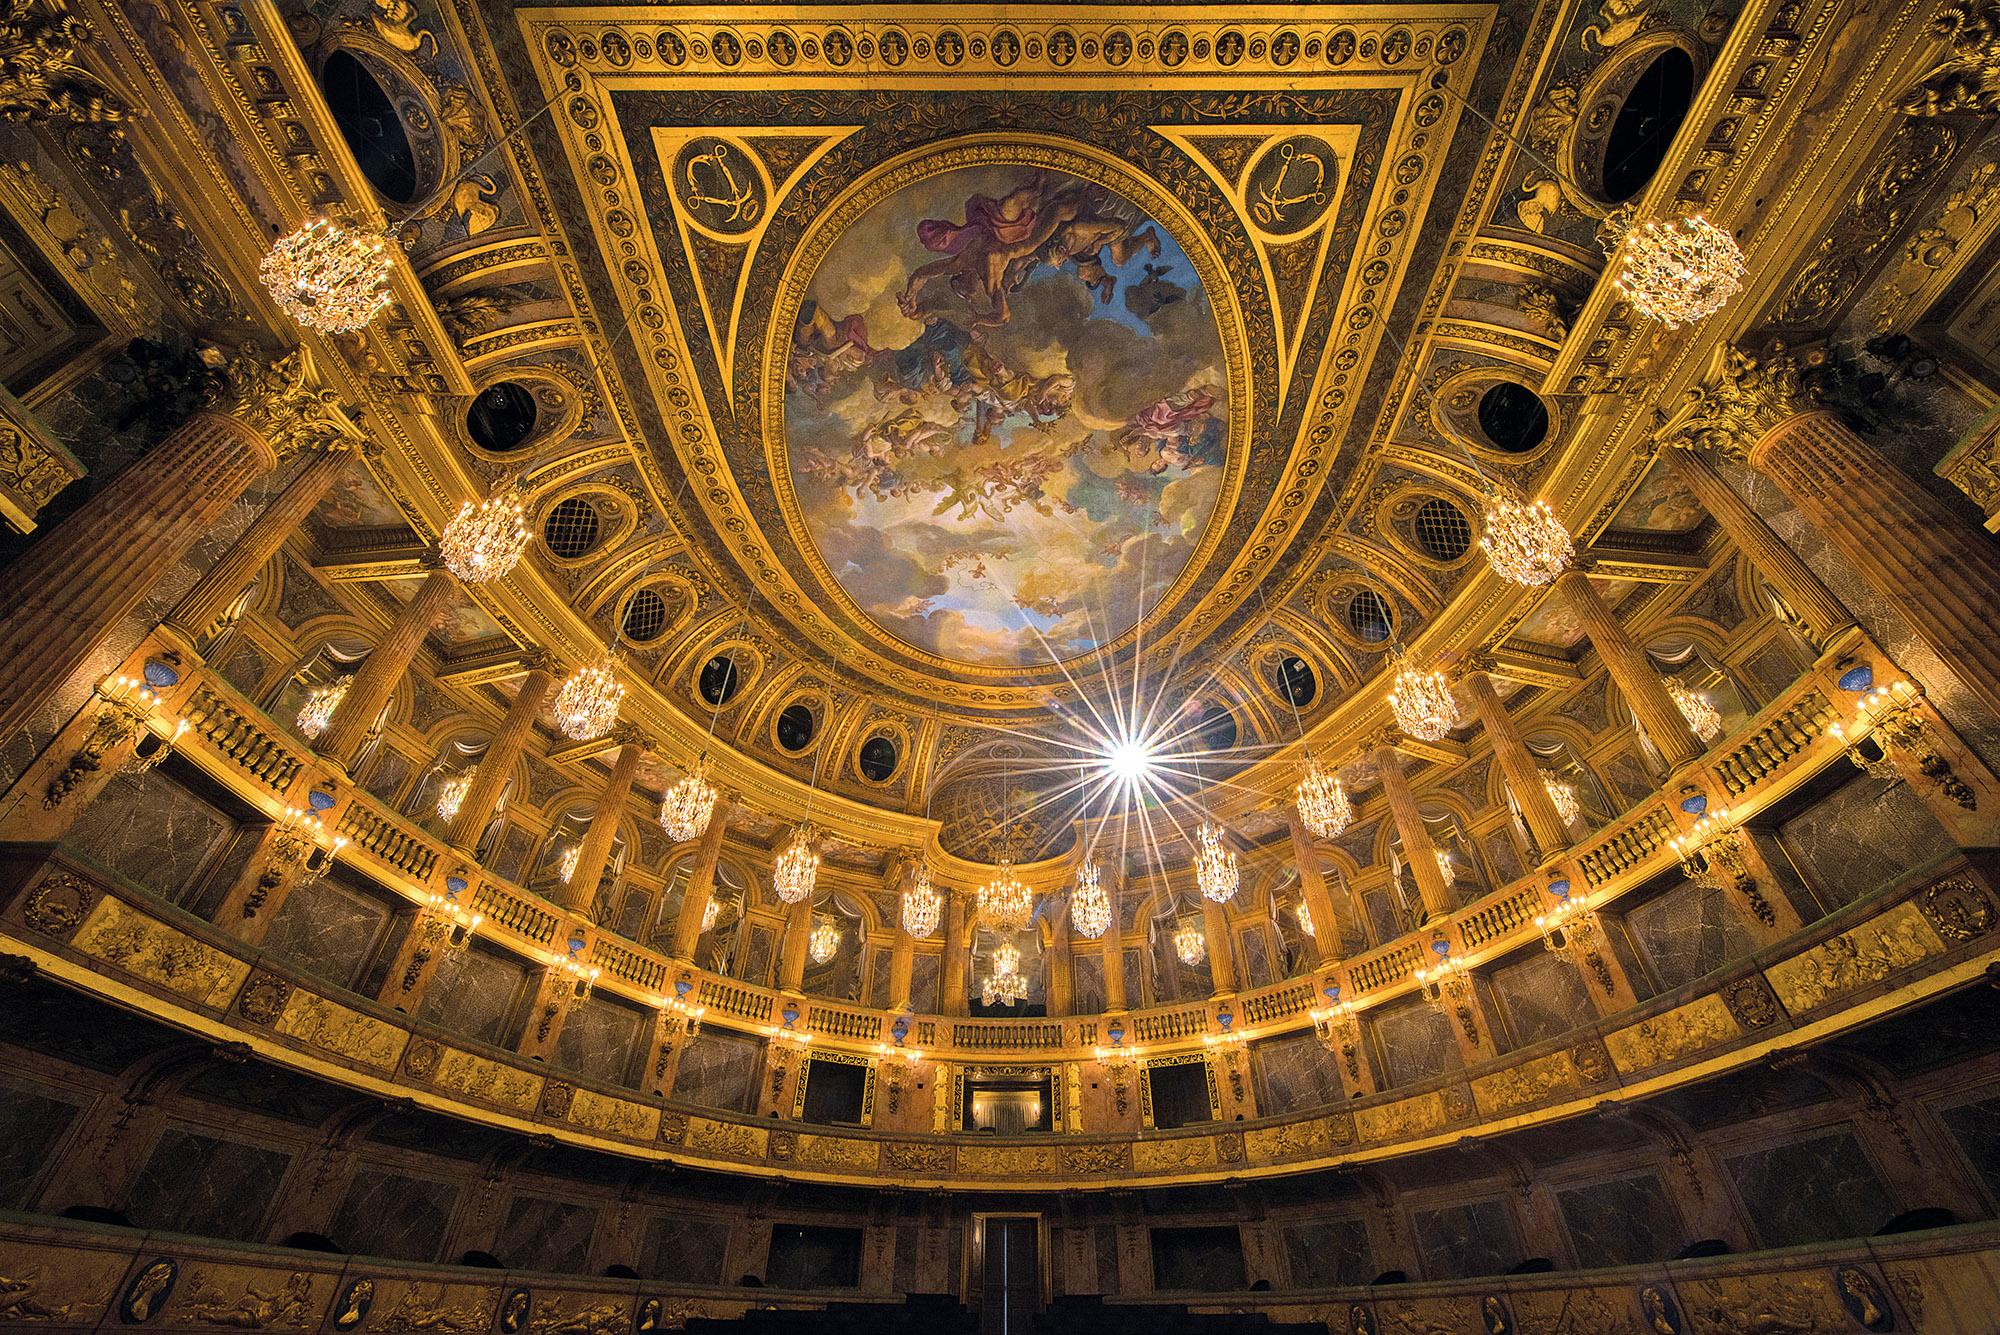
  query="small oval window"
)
[
  {"x": 877, "y": 759},
  {"x": 1214, "y": 729},
  {"x": 367, "y": 120},
  {"x": 501, "y": 417},
  {"x": 1647, "y": 121},
  {"x": 572, "y": 527},
  {"x": 796, "y": 726},
  {"x": 1296, "y": 682},
  {"x": 719, "y": 680},
  {"x": 1442, "y": 530},
  {"x": 1513, "y": 417},
  {"x": 1368, "y": 616},
  {"x": 645, "y": 616}
]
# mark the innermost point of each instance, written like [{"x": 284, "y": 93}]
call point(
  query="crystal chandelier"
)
[
  {"x": 1695, "y": 706},
  {"x": 825, "y": 938},
  {"x": 587, "y": 705},
  {"x": 317, "y": 712},
  {"x": 328, "y": 277},
  {"x": 1215, "y": 872},
  {"x": 923, "y": 906},
  {"x": 709, "y": 913},
  {"x": 1005, "y": 902},
  {"x": 486, "y": 539},
  {"x": 1423, "y": 704},
  {"x": 1089, "y": 904},
  {"x": 1445, "y": 871},
  {"x": 685, "y": 810},
  {"x": 1190, "y": 942},
  {"x": 1524, "y": 541},
  {"x": 1322, "y": 802},
  {"x": 566, "y": 864},
  {"x": 1679, "y": 271},
  {"x": 1004, "y": 985},
  {"x": 797, "y": 867},
  {"x": 1305, "y": 917},
  {"x": 1562, "y": 795},
  {"x": 451, "y": 795}
]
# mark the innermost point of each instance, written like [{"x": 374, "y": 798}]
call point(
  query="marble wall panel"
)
[
  {"x": 1208, "y": 1260},
  {"x": 1324, "y": 1253},
  {"x": 1416, "y": 1042},
  {"x": 1687, "y": 932},
  {"x": 153, "y": 831},
  {"x": 511, "y": 859},
  {"x": 758, "y": 956},
  {"x": 387, "y": 1213},
  {"x": 207, "y": 1186},
  {"x": 1541, "y": 997},
  {"x": 1135, "y": 972},
  {"x": 34, "y": 1126},
  {"x": 1385, "y": 914},
  {"x": 1297, "y": 1075},
  {"x": 538, "y": 1233},
  {"x": 1627, "y": 1221},
  {"x": 1976, "y": 1128},
  {"x": 1253, "y": 946},
  {"x": 879, "y": 968},
  {"x": 1861, "y": 838},
  {"x": 474, "y": 993},
  {"x": 601, "y": 1040},
  {"x": 720, "y": 1069},
  {"x": 1810, "y": 1190},
  {"x": 924, "y": 983},
  {"x": 328, "y": 930},
  {"x": 245, "y": 668},
  {"x": 1460, "y": 1241},
  {"x": 685, "y": 1249}
]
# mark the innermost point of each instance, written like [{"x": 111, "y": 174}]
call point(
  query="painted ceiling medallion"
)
[{"x": 1005, "y": 417}]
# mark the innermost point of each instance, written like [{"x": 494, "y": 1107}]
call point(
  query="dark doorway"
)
[{"x": 1010, "y": 1273}]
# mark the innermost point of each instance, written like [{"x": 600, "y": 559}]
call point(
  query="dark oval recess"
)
[
  {"x": 877, "y": 759},
  {"x": 501, "y": 417},
  {"x": 1513, "y": 417},
  {"x": 367, "y": 120},
  {"x": 796, "y": 726},
  {"x": 720, "y": 680},
  {"x": 1646, "y": 124},
  {"x": 1297, "y": 683},
  {"x": 1215, "y": 729}
]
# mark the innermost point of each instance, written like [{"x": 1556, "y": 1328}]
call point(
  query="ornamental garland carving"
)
[
  {"x": 30, "y": 471},
  {"x": 41, "y": 77},
  {"x": 58, "y": 905},
  {"x": 1968, "y": 78}
]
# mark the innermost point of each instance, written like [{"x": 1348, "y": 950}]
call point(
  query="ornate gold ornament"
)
[
  {"x": 1675, "y": 271},
  {"x": 124, "y": 714},
  {"x": 327, "y": 276},
  {"x": 1190, "y": 942},
  {"x": 1969, "y": 78},
  {"x": 1700, "y": 712},
  {"x": 1215, "y": 870},
  {"x": 1739, "y": 402},
  {"x": 922, "y": 907},
  {"x": 1569, "y": 930},
  {"x": 1447, "y": 986},
  {"x": 321, "y": 702},
  {"x": 1524, "y": 541},
  {"x": 1090, "y": 903},
  {"x": 280, "y": 399},
  {"x": 575, "y": 978},
  {"x": 1322, "y": 801},
  {"x": 688, "y": 805},
  {"x": 1423, "y": 704},
  {"x": 447, "y": 924},
  {"x": 587, "y": 705},
  {"x": 1004, "y": 985},
  {"x": 1890, "y": 717},
  {"x": 485, "y": 540},
  {"x": 41, "y": 78},
  {"x": 797, "y": 866},
  {"x": 824, "y": 942}
]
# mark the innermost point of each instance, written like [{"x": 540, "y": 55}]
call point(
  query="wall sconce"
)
[
  {"x": 1890, "y": 717},
  {"x": 1447, "y": 986}
]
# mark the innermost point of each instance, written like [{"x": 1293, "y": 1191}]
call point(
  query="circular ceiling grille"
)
[
  {"x": 571, "y": 528},
  {"x": 645, "y": 616},
  {"x": 1443, "y": 532},
  {"x": 1368, "y": 616}
]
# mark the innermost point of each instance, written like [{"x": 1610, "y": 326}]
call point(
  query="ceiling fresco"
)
[{"x": 1005, "y": 422}]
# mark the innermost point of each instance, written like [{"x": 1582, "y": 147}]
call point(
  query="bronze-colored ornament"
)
[
  {"x": 1958, "y": 908},
  {"x": 1750, "y": 1001},
  {"x": 420, "y": 1061},
  {"x": 352, "y": 1308},
  {"x": 905, "y": 1157},
  {"x": 148, "y": 1291},
  {"x": 1967, "y": 80},
  {"x": 1340, "y": 1128},
  {"x": 556, "y": 1098},
  {"x": 1740, "y": 401},
  {"x": 263, "y": 998},
  {"x": 1229, "y": 1147},
  {"x": 1592, "y": 1062},
  {"x": 782, "y": 1146},
  {"x": 673, "y": 1127},
  {"x": 41, "y": 78},
  {"x": 58, "y": 905},
  {"x": 514, "y": 1308},
  {"x": 281, "y": 399}
]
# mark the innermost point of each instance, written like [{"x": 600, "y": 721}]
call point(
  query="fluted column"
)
[
  {"x": 797, "y": 941},
  {"x": 1221, "y": 957},
  {"x": 495, "y": 767},
  {"x": 1517, "y": 764},
  {"x": 1418, "y": 850},
  {"x": 957, "y": 955},
  {"x": 700, "y": 885},
  {"x": 903, "y": 952},
  {"x": 1634, "y": 673},
  {"x": 63, "y": 600},
  {"x": 225, "y": 581},
  {"x": 1057, "y": 1001},
  {"x": 1940, "y": 572},
  {"x": 382, "y": 671},
  {"x": 594, "y": 851},
  {"x": 1330, "y": 924},
  {"x": 1113, "y": 944},
  {"x": 1767, "y": 553}
]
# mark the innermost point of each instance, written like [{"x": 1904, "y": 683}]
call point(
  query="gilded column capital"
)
[
  {"x": 281, "y": 399},
  {"x": 539, "y": 659},
  {"x": 1382, "y": 738},
  {"x": 1741, "y": 400},
  {"x": 1478, "y": 660},
  {"x": 41, "y": 78},
  {"x": 628, "y": 734},
  {"x": 1968, "y": 78}
]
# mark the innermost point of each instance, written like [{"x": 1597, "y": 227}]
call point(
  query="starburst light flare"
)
[
  {"x": 587, "y": 705},
  {"x": 328, "y": 277},
  {"x": 1323, "y": 803},
  {"x": 317, "y": 712},
  {"x": 1524, "y": 541},
  {"x": 1678, "y": 271},
  {"x": 485, "y": 541},
  {"x": 451, "y": 795},
  {"x": 1700, "y": 712}
]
